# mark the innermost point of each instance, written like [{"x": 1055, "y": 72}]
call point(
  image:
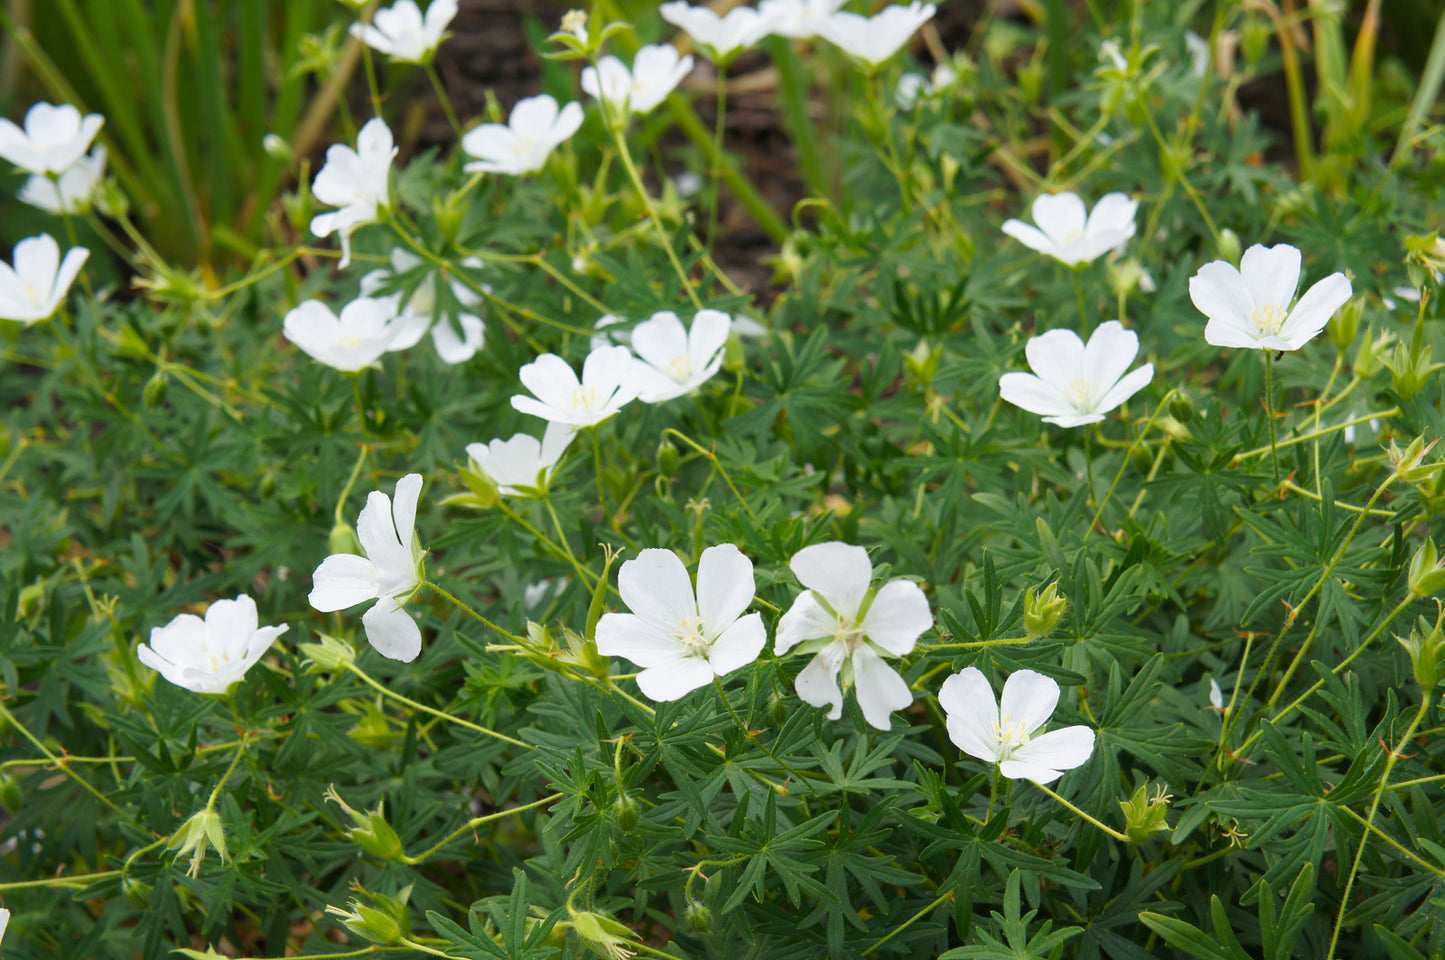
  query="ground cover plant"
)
[{"x": 434, "y": 551}]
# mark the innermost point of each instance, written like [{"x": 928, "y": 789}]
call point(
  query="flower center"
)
[
  {"x": 349, "y": 342},
  {"x": 1011, "y": 736},
  {"x": 690, "y": 634},
  {"x": 1080, "y": 393},
  {"x": 1267, "y": 319},
  {"x": 32, "y": 293},
  {"x": 680, "y": 367},
  {"x": 423, "y": 300},
  {"x": 587, "y": 399},
  {"x": 524, "y": 148}
]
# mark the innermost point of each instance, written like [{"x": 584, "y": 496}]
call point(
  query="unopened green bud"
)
[
  {"x": 1345, "y": 324},
  {"x": 1030, "y": 78},
  {"x": 1410, "y": 463},
  {"x": 153, "y": 394},
  {"x": 202, "y": 829},
  {"x": 922, "y": 362},
  {"x": 330, "y": 655},
  {"x": 10, "y": 795},
  {"x": 342, "y": 539},
  {"x": 699, "y": 917},
  {"x": 1427, "y": 574},
  {"x": 734, "y": 359},
  {"x": 668, "y": 458},
  {"x": 1410, "y": 368},
  {"x": 1043, "y": 611},
  {"x": 1229, "y": 245},
  {"x": 373, "y": 924},
  {"x": 1367, "y": 357},
  {"x": 602, "y": 935},
  {"x": 778, "y": 710},
  {"x": 1254, "y": 39},
  {"x": 136, "y": 891},
  {"x": 448, "y": 213},
  {"x": 372, "y": 833},
  {"x": 111, "y": 200},
  {"x": 1141, "y": 458},
  {"x": 1426, "y": 647},
  {"x": 1181, "y": 408},
  {"x": 626, "y": 812},
  {"x": 1145, "y": 814}
]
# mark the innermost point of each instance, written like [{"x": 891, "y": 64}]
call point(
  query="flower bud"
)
[
  {"x": 626, "y": 812},
  {"x": 10, "y": 796},
  {"x": 1255, "y": 39},
  {"x": 1181, "y": 408},
  {"x": 1145, "y": 815},
  {"x": 1229, "y": 245},
  {"x": 377, "y": 925},
  {"x": 1043, "y": 611},
  {"x": 202, "y": 829},
  {"x": 1367, "y": 357},
  {"x": 1345, "y": 324},
  {"x": 342, "y": 539},
  {"x": 699, "y": 917},
  {"x": 277, "y": 148},
  {"x": 1030, "y": 78},
  {"x": 1426, "y": 647},
  {"x": 1410, "y": 463},
  {"x": 602, "y": 935},
  {"x": 1427, "y": 573},
  {"x": 330, "y": 655},
  {"x": 1140, "y": 456},
  {"x": 922, "y": 363},
  {"x": 668, "y": 459},
  {"x": 372, "y": 833},
  {"x": 153, "y": 394},
  {"x": 136, "y": 891},
  {"x": 734, "y": 359},
  {"x": 1410, "y": 369}
]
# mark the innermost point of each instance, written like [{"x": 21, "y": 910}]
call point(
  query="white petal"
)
[
  {"x": 628, "y": 635},
  {"x": 1062, "y": 749},
  {"x": 551, "y": 380},
  {"x": 897, "y": 617},
  {"x": 392, "y": 631},
  {"x": 739, "y": 645},
  {"x": 1028, "y": 392},
  {"x": 1021, "y": 770},
  {"x": 1075, "y": 419},
  {"x": 1031, "y": 237},
  {"x": 1056, "y": 356},
  {"x": 839, "y": 572},
  {"x": 69, "y": 269},
  {"x": 725, "y": 587},
  {"x": 659, "y": 339},
  {"x": 37, "y": 260},
  {"x": 408, "y": 492},
  {"x": 878, "y": 687},
  {"x": 1312, "y": 313},
  {"x": 805, "y": 620},
  {"x": 343, "y": 580},
  {"x": 1271, "y": 274},
  {"x": 376, "y": 529},
  {"x": 671, "y": 681},
  {"x": 1218, "y": 291},
  {"x": 1060, "y": 216},
  {"x": 1112, "y": 220},
  {"x": 1028, "y": 698},
  {"x": 972, "y": 713},
  {"x": 655, "y": 586},
  {"x": 1108, "y": 354},
  {"x": 817, "y": 684},
  {"x": 1126, "y": 388}
]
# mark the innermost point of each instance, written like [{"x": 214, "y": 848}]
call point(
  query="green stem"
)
[
  {"x": 1269, "y": 411},
  {"x": 477, "y": 822},
  {"x": 59, "y": 764},
  {"x": 435, "y": 588},
  {"x": 619, "y": 137},
  {"x": 436, "y": 82},
  {"x": 386, "y": 691},
  {"x": 597, "y": 464},
  {"x": 1079, "y": 298},
  {"x": 947, "y": 894},
  {"x": 714, "y": 183},
  {"x": 793, "y": 97},
  {"x": 340, "y": 516},
  {"x": 1107, "y": 829}
]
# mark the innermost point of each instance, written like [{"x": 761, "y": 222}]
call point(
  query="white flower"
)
[
  {"x": 73, "y": 191},
  {"x": 415, "y": 313},
  {"x": 673, "y": 360},
  {"x": 1067, "y": 235},
  {"x": 349, "y": 343},
  {"x": 390, "y": 572},
  {"x": 33, "y": 289},
  {"x": 403, "y": 34},
  {"x": 1198, "y": 49},
  {"x": 798, "y": 19},
  {"x": 875, "y": 39},
  {"x": 1006, "y": 732},
  {"x": 681, "y": 639},
  {"x": 910, "y": 87},
  {"x": 1073, "y": 384},
  {"x": 522, "y": 466},
  {"x": 850, "y": 628},
  {"x": 522, "y": 145},
  {"x": 606, "y": 386},
  {"x": 656, "y": 71},
  {"x": 1216, "y": 695},
  {"x": 358, "y": 181},
  {"x": 4, "y": 921},
  {"x": 603, "y": 337},
  {"x": 207, "y": 656},
  {"x": 54, "y": 138},
  {"x": 720, "y": 37},
  {"x": 1250, "y": 307}
]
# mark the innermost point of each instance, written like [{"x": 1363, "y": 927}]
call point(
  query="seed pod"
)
[
  {"x": 699, "y": 917},
  {"x": 626, "y": 812}
]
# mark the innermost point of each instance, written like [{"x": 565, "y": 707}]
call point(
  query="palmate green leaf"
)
[
  {"x": 1014, "y": 928},
  {"x": 1220, "y": 944},
  {"x": 788, "y": 855}
]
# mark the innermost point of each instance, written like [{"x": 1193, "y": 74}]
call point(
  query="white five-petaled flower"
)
[
  {"x": 32, "y": 290},
  {"x": 418, "y": 311},
  {"x": 674, "y": 360},
  {"x": 607, "y": 384},
  {"x": 1250, "y": 307},
  {"x": 1005, "y": 732},
  {"x": 402, "y": 33},
  {"x": 53, "y": 140},
  {"x": 875, "y": 39},
  {"x": 656, "y": 71},
  {"x": 4, "y": 921},
  {"x": 390, "y": 572},
  {"x": 849, "y": 629},
  {"x": 207, "y": 656},
  {"x": 798, "y": 19},
  {"x": 1069, "y": 233},
  {"x": 683, "y": 639},
  {"x": 535, "y": 128},
  {"x": 355, "y": 340},
  {"x": 522, "y": 466},
  {"x": 1072, "y": 383},
  {"x": 73, "y": 191},
  {"x": 719, "y": 37},
  {"x": 358, "y": 181}
]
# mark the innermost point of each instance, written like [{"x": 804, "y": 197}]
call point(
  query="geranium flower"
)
[
  {"x": 720, "y": 37},
  {"x": 850, "y": 629},
  {"x": 73, "y": 191},
  {"x": 403, "y": 34},
  {"x": 1250, "y": 307},
  {"x": 798, "y": 19},
  {"x": 4, "y": 921},
  {"x": 358, "y": 181},
  {"x": 607, "y": 385},
  {"x": 681, "y": 639},
  {"x": 33, "y": 289},
  {"x": 390, "y": 572},
  {"x": 1005, "y": 732},
  {"x": 417, "y": 312},
  {"x": 875, "y": 39},
  {"x": 207, "y": 656},
  {"x": 54, "y": 138},
  {"x": 522, "y": 466},
  {"x": 673, "y": 360},
  {"x": 535, "y": 128},
  {"x": 656, "y": 72},
  {"x": 349, "y": 343},
  {"x": 1073, "y": 384},
  {"x": 1065, "y": 233}
]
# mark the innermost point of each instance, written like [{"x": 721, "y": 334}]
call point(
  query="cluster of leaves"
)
[{"x": 159, "y": 455}]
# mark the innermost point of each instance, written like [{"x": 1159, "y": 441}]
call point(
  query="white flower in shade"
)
[
  {"x": 390, "y": 572},
  {"x": 1216, "y": 695},
  {"x": 358, "y": 181},
  {"x": 608, "y": 330},
  {"x": 350, "y": 342},
  {"x": 875, "y": 39},
  {"x": 207, "y": 656},
  {"x": 402, "y": 33},
  {"x": 910, "y": 87},
  {"x": 1198, "y": 49},
  {"x": 54, "y": 138},
  {"x": 4, "y": 921},
  {"x": 1250, "y": 307},
  {"x": 1005, "y": 732},
  {"x": 683, "y": 639},
  {"x": 522, "y": 466},
  {"x": 798, "y": 19},
  {"x": 608, "y": 383},
  {"x": 32, "y": 290},
  {"x": 850, "y": 629},
  {"x": 656, "y": 72},
  {"x": 674, "y": 360},
  {"x": 535, "y": 128},
  {"x": 419, "y": 311},
  {"x": 1067, "y": 234},
  {"x": 73, "y": 191},
  {"x": 721, "y": 38},
  {"x": 1072, "y": 383}
]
